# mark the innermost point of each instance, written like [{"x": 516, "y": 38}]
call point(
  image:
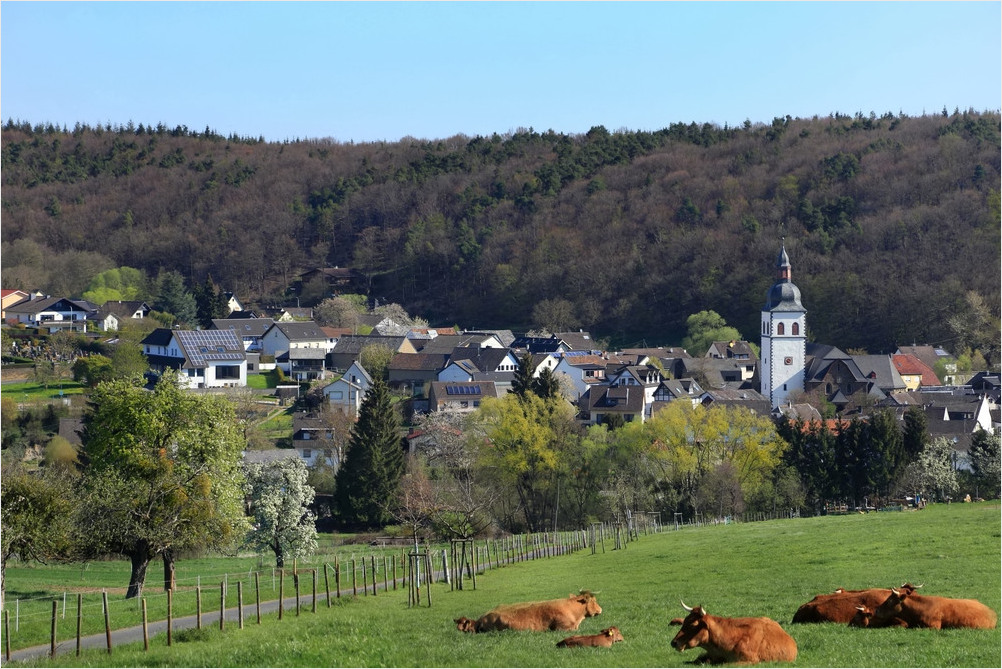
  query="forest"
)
[{"x": 891, "y": 221}]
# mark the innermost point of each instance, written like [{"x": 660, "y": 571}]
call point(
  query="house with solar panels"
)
[
  {"x": 205, "y": 358},
  {"x": 459, "y": 395}
]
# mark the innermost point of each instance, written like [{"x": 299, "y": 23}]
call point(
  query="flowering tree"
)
[{"x": 279, "y": 504}]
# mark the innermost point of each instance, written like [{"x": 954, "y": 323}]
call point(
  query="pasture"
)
[{"x": 750, "y": 569}]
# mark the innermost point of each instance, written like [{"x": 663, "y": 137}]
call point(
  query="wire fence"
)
[{"x": 30, "y": 621}]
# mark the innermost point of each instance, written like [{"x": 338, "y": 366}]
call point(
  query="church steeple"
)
[
  {"x": 784, "y": 336},
  {"x": 783, "y": 268}
]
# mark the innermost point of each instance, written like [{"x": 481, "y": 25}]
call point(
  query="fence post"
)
[
  {"x": 314, "y": 574},
  {"x": 6, "y": 635},
  {"x": 222, "y": 603},
  {"x": 55, "y": 615},
  {"x": 146, "y": 629},
  {"x": 79, "y": 620},
  {"x": 107, "y": 618},
  {"x": 198, "y": 607},
  {"x": 257, "y": 595},
  {"x": 240, "y": 604}
]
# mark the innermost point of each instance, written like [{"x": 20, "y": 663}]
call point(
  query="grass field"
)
[{"x": 751, "y": 569}]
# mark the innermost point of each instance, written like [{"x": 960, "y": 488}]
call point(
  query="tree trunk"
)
[
  {"x": 170, "y": 578},
  {"x": 279, "y": 554},
  {"x": 140, "y": 558}
]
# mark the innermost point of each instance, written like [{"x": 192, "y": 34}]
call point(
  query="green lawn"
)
[
  {"x": 34, "y": 392},
  {"x": 744, "y": 569}
]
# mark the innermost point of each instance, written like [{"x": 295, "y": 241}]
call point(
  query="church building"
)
[{"x": 784, "y": 337}]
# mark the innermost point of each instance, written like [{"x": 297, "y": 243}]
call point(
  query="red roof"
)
[{"x": 908, "y": 364}]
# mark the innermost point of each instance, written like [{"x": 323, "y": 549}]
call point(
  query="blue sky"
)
[{"x": 369, "y": 71}]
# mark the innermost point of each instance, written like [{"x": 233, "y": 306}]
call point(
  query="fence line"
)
[{"x": 476, "y": 556}]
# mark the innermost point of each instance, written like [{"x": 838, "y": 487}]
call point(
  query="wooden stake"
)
[
  {"x": 146, "y": 629},
  {"x": 79, "y": 622},
  {"x": 55, "y": 615},
  {"x": 107, "y": 619},
  {"x": 240, "y": 604}
]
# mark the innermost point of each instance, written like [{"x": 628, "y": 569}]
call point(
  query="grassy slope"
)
[{"x": 767, "y": 568}]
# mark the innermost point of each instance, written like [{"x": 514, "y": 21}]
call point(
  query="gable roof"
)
[
  {"x": 419, "y": 362},
  {"x": 243, "y": 327},
  {"x": 125, "y": 308},
  {"x": 300, "y": 330},
  {"x": 613, "y": 399},
  {"x": 731, "y": 349},
  {"x": 882, "y": 370},
  {"x": 484, "y": 359},
  {"x": 910, "y": 365},
  {"x": 577, "y": 341},
  {"x": 353, "y": 344}
]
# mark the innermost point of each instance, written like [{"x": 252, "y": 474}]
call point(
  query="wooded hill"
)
[{"x": 890, "y": 221}]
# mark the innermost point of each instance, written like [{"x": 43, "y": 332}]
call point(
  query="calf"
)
[
  {"x": 748, "y": 640},
  {"x": 864, "y": 618},
  {"x": 603, "y": 639},
  {"x": 553, "y": 614},
  {"x": 935, "y": 612}
]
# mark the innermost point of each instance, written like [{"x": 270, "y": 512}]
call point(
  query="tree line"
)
[{"x": 629, "y": 231}]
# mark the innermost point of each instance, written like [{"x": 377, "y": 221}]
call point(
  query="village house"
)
[
  {"x": 459, "y": 396},
  {"x": 205, "y": 358},
  {"x": 51, "y": 313},
  {"x": 347, "y": 393}
]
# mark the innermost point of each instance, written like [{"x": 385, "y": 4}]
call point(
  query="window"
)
[
  {"x": 780, "y": 329},
  {"x": 796, "y": 329},
  {"x": 307, "y": 453}
]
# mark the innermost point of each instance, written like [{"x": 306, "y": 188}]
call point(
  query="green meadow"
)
[{"x": 747, "y": 569}]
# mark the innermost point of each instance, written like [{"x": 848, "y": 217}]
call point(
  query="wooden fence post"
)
[
  {"x": 79, "y": 621},
  {"x": 314, "y": 574},
  {"x": 6, "y": 635},
  {"x": 107, "y": 618},
  {"x": 198, "y": 607},
  {"x": 240, "y": 604},
  {"x": 327, "y": 586},
  {"x": 257, "y": 595},
  {"x": 55, "y": 615},
  {"x": 170, "y": 618},
  {"x": 222, "y": 603},
  {"x": 295, "y": 582},
  {"x": 146, "y": 629}
]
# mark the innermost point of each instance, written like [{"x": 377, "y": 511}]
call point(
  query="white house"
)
[
  {"x": 52, "y": 313},
  {"x": 346, "y": 394},
  {"x": 205, "y": 358}
]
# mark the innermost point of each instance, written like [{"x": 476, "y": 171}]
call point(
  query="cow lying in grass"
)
[
  {"x": 747, "y": 640},
  {"x": 603, "y": 639},
  {"x": 926, "y": 611},
  {"x": 841, "y": 606},
  {"x": 553, "y": 614}
]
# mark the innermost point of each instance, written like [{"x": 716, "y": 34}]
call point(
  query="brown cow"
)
[
  {"x": 554, "y": 614},
  {"x": 603, "y": 639},
  {"x": 934, "y": 612},
  {"x": 734, "y": 639},
  {"x": 840, "y": 606},
  {"x": 864, "y": 618}
]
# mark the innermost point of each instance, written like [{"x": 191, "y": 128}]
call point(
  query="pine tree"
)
[
  {"x": 522, "y": 381},
  {"x": 368, "y": 480}
]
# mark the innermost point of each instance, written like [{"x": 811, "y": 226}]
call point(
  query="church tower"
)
[{"x": 784, "y": 337}]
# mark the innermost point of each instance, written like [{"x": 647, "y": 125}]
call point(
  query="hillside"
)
[{"x": 890, "y": 221}]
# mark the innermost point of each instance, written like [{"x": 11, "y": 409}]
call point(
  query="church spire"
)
[{"x": 783, "y": 269}]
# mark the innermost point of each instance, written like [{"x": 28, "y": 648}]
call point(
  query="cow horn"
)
[
  {"x": 861, "y": 608},
  {"x": 687, "y": 608},
  {"x": 896, "y": 591}
]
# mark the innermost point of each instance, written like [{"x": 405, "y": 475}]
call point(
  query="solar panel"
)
[{"x": 203, "y": 346}]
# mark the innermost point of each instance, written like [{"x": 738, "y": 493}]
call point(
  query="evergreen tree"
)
[
  {"x": 175, "y": 299},
  {"x": 984, "y": 455},
  {"x": 369, "y": 479},
  {"x": 522, "y": 382},
  {"x": 546, "y": 385},
  {"x": 916, "y": 432}
]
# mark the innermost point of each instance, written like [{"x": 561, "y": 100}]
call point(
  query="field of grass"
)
[
  {"x": 747, "y": 569},
  {"x": 35, "y": 392}
]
